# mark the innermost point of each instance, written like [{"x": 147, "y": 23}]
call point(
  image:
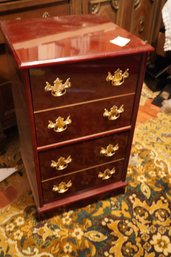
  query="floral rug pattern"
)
[{"x": 135, "y": 224}]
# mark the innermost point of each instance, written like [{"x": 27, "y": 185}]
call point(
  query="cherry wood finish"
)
[
  {"x": 89, "y": 152},
  {"x": 84, "y": 117},
  {"x": 74, "y": 33},
  {"x": 17, "y": 10},
  {"x": 87, "y": 179},
  {"x": 89, "y": 130},
  {"x": 87, "y": 83},
  {"x": 141, "y": 17}
]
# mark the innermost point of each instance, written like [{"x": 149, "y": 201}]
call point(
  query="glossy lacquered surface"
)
[
  {"x": 81, "y": 181},
  {"x": 84, "y": 155},
  {"x": 86, "y": 119},
  {"x": 69, "y": 131},
  {"x": 88, "y": 81},
  {"x": 38, "y": 42}
]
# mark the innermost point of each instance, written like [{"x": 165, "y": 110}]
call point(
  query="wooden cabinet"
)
[
  {"x": 145, "y": 16},
  {"x": 109, "y": 9},
  {"x": 16, "y": 10},
  {"x": 12, "y": 10},
  {"x": 140, "y": 17},
  {"x": 76, "y": 97}
]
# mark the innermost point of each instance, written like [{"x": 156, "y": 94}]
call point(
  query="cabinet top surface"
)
[{"x": 37, "y": 42}]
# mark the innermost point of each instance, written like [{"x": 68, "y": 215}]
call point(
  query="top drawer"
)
[{"x": 87, "y": 81}]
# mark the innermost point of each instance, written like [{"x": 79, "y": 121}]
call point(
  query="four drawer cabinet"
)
[{"x": 76, "y": 95}]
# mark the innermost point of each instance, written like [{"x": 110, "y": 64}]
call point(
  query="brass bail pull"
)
[
  {"x": 58, "y": 88},
  {"x": 62, "y": 187},
  {"x": 107, "y": 174},
  {"x": 110, "y": 150},
  {"x": 114, "y": 112},
  {"x": 61, "y": 163},
  {"x": 118, "y": 77},
  {"x": 60, "y": 124}
]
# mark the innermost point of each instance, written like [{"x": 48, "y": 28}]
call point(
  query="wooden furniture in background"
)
[
  {"x": 76, "y": 97},
  {"x": 140, "y": 17},
  {"x": 16, "y": 10}
]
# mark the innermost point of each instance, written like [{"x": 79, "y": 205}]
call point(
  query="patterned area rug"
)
[{"x": 137, "y": 223}]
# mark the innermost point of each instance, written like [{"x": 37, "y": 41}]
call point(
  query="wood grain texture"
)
[{"x": 84, "y": 53}]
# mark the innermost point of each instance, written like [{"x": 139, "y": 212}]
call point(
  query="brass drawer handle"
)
[
  {"x": 61, "y": 163},
  {"x": 118, "y": 77},
  {"x": 62, "y": 187},
  {"x": 58, "y": 88},
  {"x": 110, "y": 150},
  {"x": 60, "y": 124},
  {"x": 107, "y": 174},
  {"x": 114, "y": 112}
]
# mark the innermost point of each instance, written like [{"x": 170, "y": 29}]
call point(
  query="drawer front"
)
[
  {"x": 78, "y": 182},
  {"x": 82, "y": 120},
  {"x": 83, "y": 81},
  {"x": 45, "y": 10},
  {"x": 64, "y": 160}
]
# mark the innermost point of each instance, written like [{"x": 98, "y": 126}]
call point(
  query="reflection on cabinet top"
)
[
  {"x": 38, "y": 42},
  {"x": 22, "y": 9}
]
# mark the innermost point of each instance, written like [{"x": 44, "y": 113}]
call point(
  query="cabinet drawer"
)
[
  {"x": 44, "y": 10},
  {"x": 82, "y": 155},
  {"x": 29, "y": 10},
  {"x": 84, "y": 119},
  {"x": 78, "y": 182},
  {"x": 87, "y": 81}
]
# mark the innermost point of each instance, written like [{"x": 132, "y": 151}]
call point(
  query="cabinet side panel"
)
[
  {"x": 24, "y": 126},
  {"x": 140, "y": 75}
]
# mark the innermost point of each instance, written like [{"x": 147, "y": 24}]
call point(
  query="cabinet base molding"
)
[{"x": 113, "y": 189}]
